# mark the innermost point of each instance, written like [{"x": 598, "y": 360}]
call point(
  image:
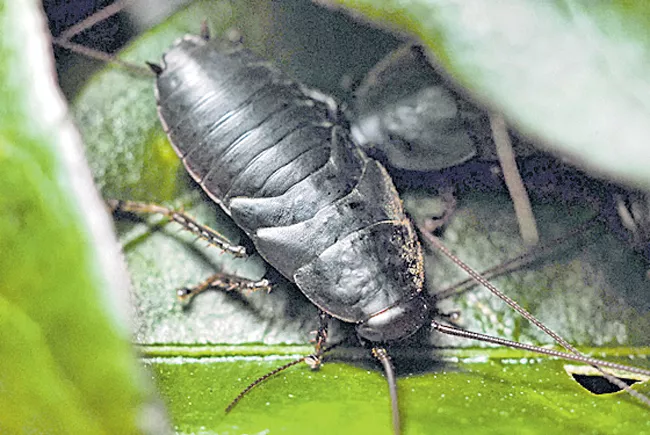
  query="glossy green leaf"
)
[
  {"x": 575, "y": 74},
  {"x": 66, "y": 365},
  {"x": 585, "y": 293},
  {"x": 463, "y": 392}
]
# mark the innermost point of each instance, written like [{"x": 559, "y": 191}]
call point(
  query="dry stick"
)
[
  {"x": 95, "y": 18},
  {"x": 521, "y": 203},
  {"x": 528, "y": 316},
  {"x": 516, "y": 263},
  {"x": 101, "y": 56},
  {"x": 64, "y": 39}
]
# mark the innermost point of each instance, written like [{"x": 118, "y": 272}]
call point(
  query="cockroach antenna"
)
[
  {"x": 381, "y": 354},
  {"x": 575, "y": 355},
  {"x": 314, "y": 356}
]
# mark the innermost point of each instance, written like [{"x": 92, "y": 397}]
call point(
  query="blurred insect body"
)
[
  {"x": 407, "y": 114},
  {"x": 403, "y": 112}
]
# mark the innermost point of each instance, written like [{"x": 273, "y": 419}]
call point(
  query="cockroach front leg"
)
[
  {"x": 226, "y": 282},
  {"x": 314, "y": 360}
]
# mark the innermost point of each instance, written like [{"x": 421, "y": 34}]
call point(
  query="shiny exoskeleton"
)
[{"x": 273, "y": 156}]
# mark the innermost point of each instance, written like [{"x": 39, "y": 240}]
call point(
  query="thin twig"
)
[
  {"x": 521, "y": 203},
  {"x": 95, "y": 18}
]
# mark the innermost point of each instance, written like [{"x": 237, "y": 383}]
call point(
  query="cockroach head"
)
[{"x": 395, "y": 323}]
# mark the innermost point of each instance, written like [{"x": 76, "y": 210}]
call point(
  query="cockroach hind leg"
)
[{"x": 204, "y": 232}]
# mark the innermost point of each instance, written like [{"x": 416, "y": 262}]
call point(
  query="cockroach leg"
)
[
  {"x": 187, "y": 222},
  {"x": 276, "y": 371},
  {"x": 226, "y": 282},
  {"x": 314, "y": 360}
]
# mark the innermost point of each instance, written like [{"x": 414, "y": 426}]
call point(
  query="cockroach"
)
[
  {"x": 411, "y": 118},
  {"x": 279, "y": 159},
  {"x": 405, "y": 115},
  {"x": 414, "y": 120}
]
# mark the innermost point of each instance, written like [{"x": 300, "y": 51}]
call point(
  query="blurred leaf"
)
[
  {"x": 574, "y": 74},
  {"x": 66, "y": 365},
  {"x": 589, "y": 302}
]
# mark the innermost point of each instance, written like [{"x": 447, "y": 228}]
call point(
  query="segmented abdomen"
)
[{"x": 317, "y": 209}]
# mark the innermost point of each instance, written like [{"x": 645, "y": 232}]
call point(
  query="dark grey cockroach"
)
[
  {"x": 406, "y": 115},
  {"x": 317, "y": 209}
]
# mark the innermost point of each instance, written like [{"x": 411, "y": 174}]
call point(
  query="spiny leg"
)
[
  {"x": 226, "y": 282},
  {"x": 314, "y": 360},
  {"x": 181, "y": 218}
]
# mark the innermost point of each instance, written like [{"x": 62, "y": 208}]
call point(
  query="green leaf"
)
[
  {"x": 462, "y": 392},
  {"x": 573, "y": 74},
  {"x": 66, "y": 365},
  {"x": 203, "y": 355}
]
